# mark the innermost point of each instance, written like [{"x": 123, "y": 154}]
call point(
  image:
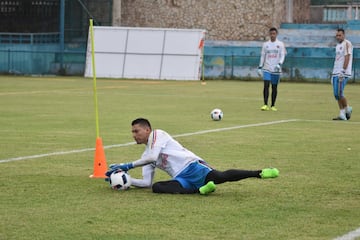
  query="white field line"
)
[
  {"x": 132, "y": 143},
  {"x": 329, "y": 121},
  {"x": 350, "y": 235}
]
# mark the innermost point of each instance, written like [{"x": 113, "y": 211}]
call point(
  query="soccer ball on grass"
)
[
  {"x": 120, "y": 180},
  {"x": 216, "y": 114}
]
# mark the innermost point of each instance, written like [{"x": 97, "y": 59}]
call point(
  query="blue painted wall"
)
[{"x": 310, "y": 53}]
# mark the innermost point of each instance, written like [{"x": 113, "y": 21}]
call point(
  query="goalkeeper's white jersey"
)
[
  {"x": 272, "y": 53},
  {"x": 342, "y": 49},
  {"x": 164, "y": 152}
]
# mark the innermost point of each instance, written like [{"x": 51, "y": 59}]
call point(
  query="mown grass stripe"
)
[{"x": 132, "y": 143}]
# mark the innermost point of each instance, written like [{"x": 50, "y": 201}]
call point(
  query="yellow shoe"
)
[
  {"x": 207, "y": 188},
  {"x": 265, "y": 108},
  {"x": 269, "y": 173},
  {"x": 273, "y": 108}
]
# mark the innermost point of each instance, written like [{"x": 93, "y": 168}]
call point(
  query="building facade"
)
[{"x": 232, "y": 20}]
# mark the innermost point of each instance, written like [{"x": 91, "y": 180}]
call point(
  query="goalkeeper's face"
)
[
  {"x": 273, "y": 35},
  {"x": 140, "y": 133}
]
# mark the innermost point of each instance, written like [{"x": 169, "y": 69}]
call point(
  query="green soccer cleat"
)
[
  {"x": 265, "y": 108},
  {"x": 207, "y": 188},
  {"x": 273, "y": 108},
  {"x": 269, "y": 173}
]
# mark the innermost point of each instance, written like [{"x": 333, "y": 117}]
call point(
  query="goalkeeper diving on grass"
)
[{"x": 189, "y": 172}]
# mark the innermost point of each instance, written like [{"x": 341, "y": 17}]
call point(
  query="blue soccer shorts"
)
[
  {"x": 274, "y": 78},
  {"x": 338, "y": 85},
  {"x": 194, "y": 175}
]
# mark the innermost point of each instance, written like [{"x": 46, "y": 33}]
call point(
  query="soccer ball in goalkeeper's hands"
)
[
  {"x": 120, "y": 180},
  {"x": 216, "y": 114}
]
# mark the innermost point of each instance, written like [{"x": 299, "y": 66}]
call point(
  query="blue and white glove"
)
[
  {"x": 259, "y": 71},
  {"x": 278, "y": 67},
  {"x": 122, "y": 166}
]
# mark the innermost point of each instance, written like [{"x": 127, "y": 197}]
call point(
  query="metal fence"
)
[
  {"x": 43, "y": 62},
  {"x": 44, "y": 59},
  {"x": 36, "y": 53},
  {"x": 48, "y": 36}
]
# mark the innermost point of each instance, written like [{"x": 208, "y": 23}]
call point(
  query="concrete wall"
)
[
  {"x": 223, "y": 19},
  {"x": 116, "y": 13}
]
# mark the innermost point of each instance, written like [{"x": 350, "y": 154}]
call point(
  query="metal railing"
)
[
  {"x": 29, "y": 38},
  {"x": 48, "y": 62},
  {"x": 42, "y": 62}
]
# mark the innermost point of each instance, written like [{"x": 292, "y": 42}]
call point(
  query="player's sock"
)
[
  {"x": 207, "y": 188},
  {"x": 273, "y": 94},
  {"x": 269, "y": 173}
]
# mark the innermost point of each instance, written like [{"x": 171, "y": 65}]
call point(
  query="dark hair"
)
[
  {"x": 273, "y": 29},
  {"x": 341, "y": 30},
  {"x": 141, "y": 121}
]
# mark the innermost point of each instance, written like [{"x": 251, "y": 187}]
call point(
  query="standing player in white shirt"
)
[
  {"x": 190, "y": 173},
  {"x": 342, "y": 73},
  {"x": 272, "y": 57}
]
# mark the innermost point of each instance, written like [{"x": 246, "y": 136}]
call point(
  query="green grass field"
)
[{"x": 51, "y": 196}]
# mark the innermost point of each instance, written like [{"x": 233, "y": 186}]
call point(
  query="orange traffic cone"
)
[{"x": 100, "y": 166}]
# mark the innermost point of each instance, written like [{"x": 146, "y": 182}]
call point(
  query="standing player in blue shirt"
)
[
  {"x": 189, "y": 172},
  {"x": 272, "y": 57}
]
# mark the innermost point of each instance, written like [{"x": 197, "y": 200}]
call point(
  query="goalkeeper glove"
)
[
  {"x": 122, "y": 166},
  {"x": 278, "y": 67},
  {"x": 259, "y": 71},
  {"x": 126, "y": 166}
]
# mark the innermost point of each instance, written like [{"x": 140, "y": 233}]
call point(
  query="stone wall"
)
[
  {"x": 301, "y": 11},
  {"x": 223, "y": 19}
]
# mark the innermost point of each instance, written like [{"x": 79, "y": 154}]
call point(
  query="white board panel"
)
[
  {"x": 150, "y": 53},
  {"x": 178, "y": 42},
  {"x": 140, "y": 41},
  {"x": 142, "y": 66},
  {"x": 109, "y": 65},
  {"x": 173, "y": 67},
  {"x": 110, "y": 40}
]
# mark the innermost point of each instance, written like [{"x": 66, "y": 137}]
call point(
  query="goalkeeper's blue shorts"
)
[
  {"x": 274, "y": 78},
  {"x": 194, "y": 175}
]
